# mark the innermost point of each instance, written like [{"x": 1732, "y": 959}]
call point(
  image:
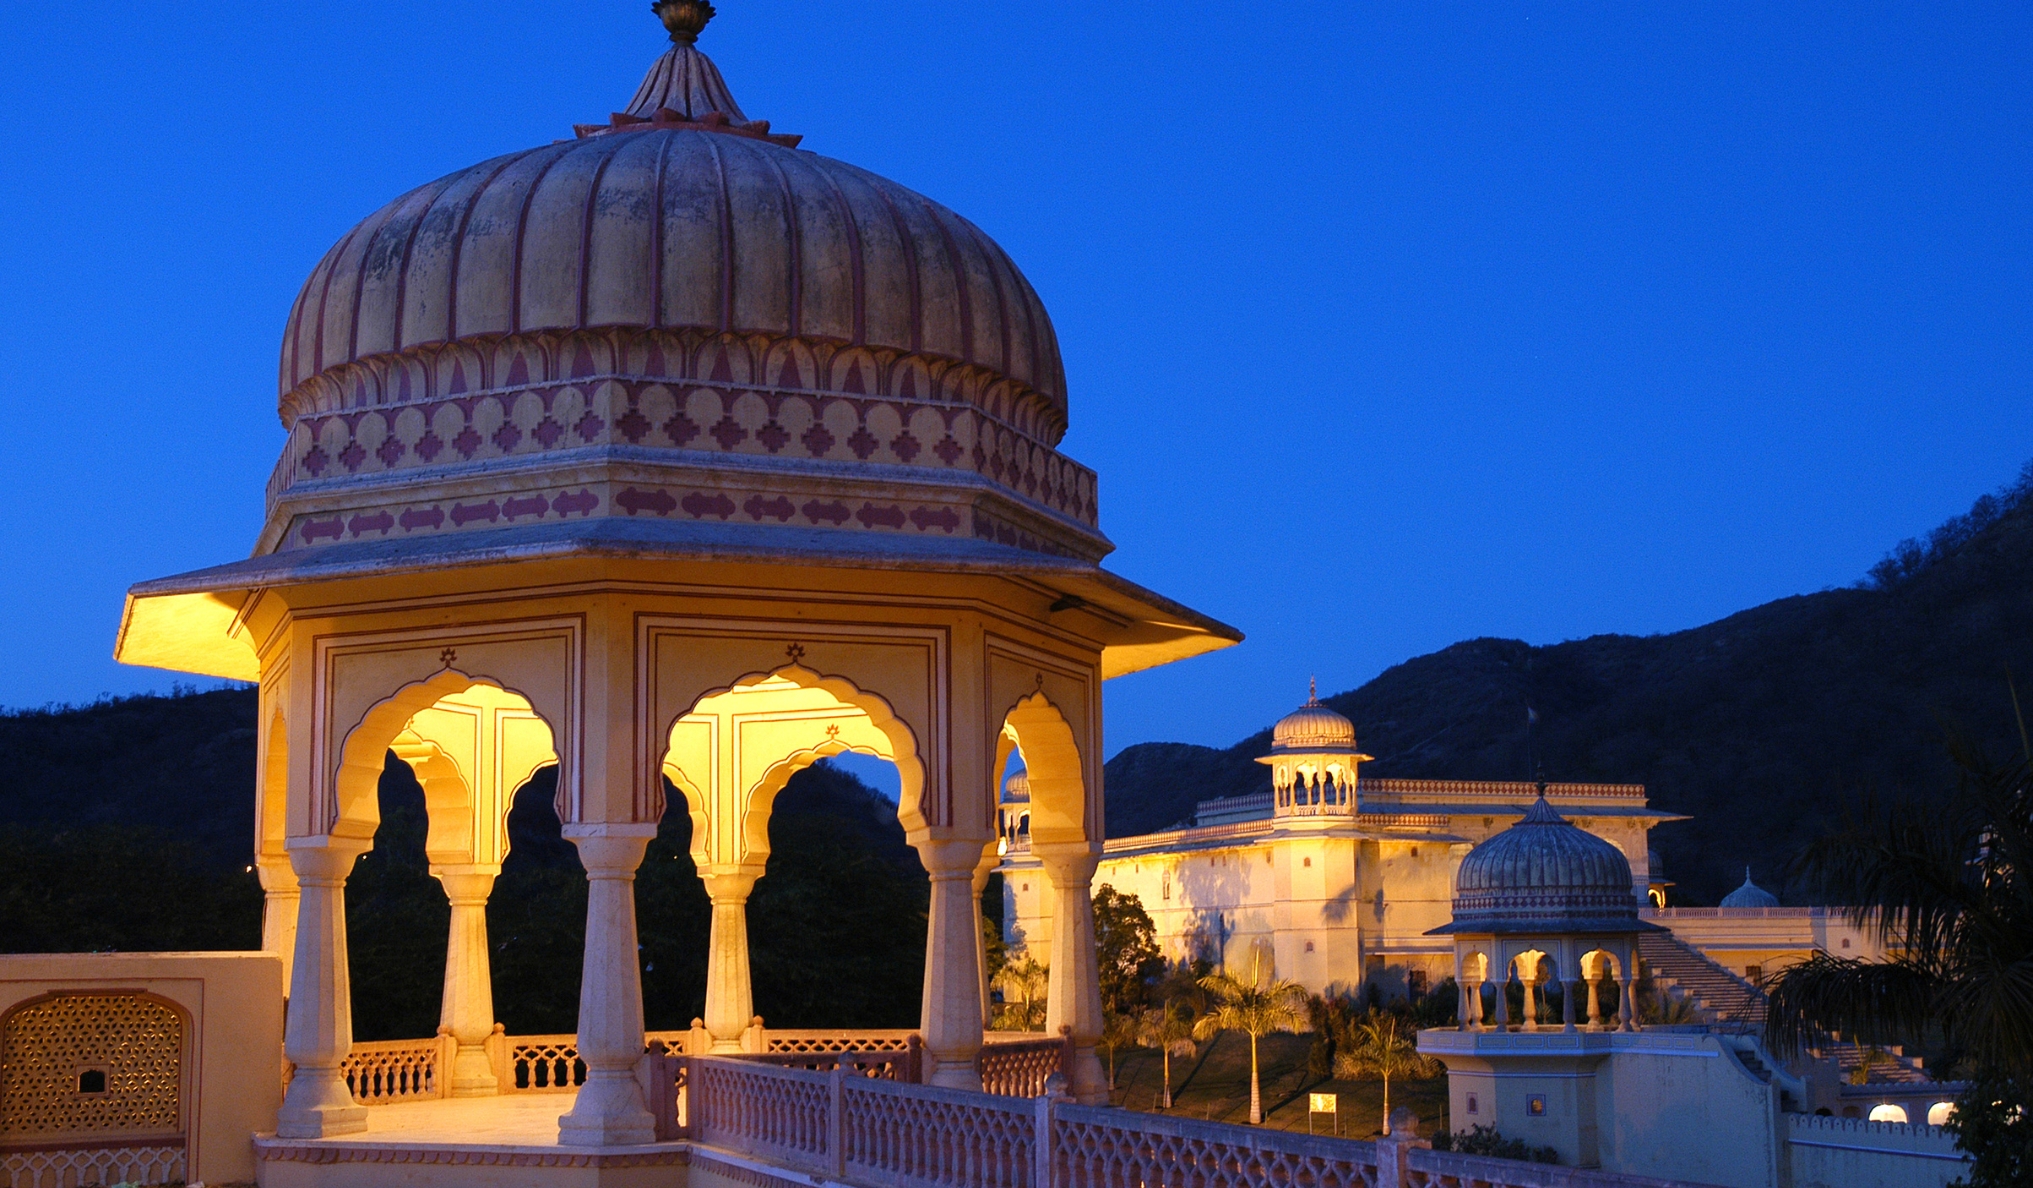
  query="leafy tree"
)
[
  {"x": 1023, "y": 981},
  {"x": 1949, "y": 884},
  {"x": 1382, "y": 1048},
  {"x": 1991, "y": 1123},
  {"x": 1126, "y": 949},
  {"x": 1256, "y": 1008},
  {"x": 1169, "y": 1029}
]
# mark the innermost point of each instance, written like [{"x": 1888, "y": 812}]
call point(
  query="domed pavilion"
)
[
  {"x": 1545, "y": 896},
  {"x": 1314, "y": 761},
  {"x": 672, "y": 450}
]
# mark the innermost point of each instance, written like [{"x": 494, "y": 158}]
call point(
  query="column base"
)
[
  {"x": 955, "y": 1075},
  {"x": 321, "y": 1122},
  {"x": 473, "y": 1073},
  {"x": 608, "y": 1113},
  {"x": 1087, "y": 1078}
]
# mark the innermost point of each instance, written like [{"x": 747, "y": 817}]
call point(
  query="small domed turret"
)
[
  {"x": 1750, "y": 895},
  {"x": 1313, "y": 727}
]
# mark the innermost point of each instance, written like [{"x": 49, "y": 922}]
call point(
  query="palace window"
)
[
  {"x": 1888, "y": 1113},
  {"x": 1474, "y": 1106},
  {"x": 1535, "y": 1105}
]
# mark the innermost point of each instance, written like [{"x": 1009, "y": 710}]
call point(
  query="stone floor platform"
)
[{"x": 490, "y": 1142}]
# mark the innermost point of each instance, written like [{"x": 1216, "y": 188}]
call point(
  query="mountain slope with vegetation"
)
[
  {"x": 1763, "y": 727},
  {"x": 129, "y": 825}
]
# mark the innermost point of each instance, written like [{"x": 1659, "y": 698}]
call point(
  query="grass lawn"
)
[{"x": 1215, "y": 1087}]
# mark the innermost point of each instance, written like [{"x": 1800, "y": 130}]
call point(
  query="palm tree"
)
[
  {"x": 1117, "y": 1032},
  {"x": 1949, "y": 885},
  {"x": 1169, "y": 1029},
  {"x": 1024, "y": 979},
  {"x": 1257, "y": 1007},
  {"x": 1379, "y": 1048}
]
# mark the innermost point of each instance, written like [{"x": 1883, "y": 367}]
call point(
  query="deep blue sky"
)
[{"x": 1387, "y": 325}]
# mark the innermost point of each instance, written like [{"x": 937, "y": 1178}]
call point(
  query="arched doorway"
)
[{"x": 730, "y": 756}]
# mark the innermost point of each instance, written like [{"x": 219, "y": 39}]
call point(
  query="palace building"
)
[{"x": 1334, "y": 878}]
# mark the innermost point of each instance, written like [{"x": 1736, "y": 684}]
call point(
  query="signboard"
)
[{"x": 1323, "y": 1103}]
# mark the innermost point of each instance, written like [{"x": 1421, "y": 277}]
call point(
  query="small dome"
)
[
  {"x": 1017, "y": 790},
  {"x": 1544, "y": 875},
  {"x": 1750, "y": 895},
  {"x": 1313, "y": 727}
]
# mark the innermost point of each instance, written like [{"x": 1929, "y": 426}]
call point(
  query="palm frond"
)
[{"x": 1866, "y": 1001}]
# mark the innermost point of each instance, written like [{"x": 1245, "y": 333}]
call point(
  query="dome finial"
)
[
  {"x": 684, "y": 18},
  {"x": 1312, "y": 691}
]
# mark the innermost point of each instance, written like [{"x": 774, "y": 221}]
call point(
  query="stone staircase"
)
[{"x": 1715, "y": 992}]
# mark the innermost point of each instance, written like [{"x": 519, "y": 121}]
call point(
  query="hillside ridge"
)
[{"x": 1764, "y": 726}]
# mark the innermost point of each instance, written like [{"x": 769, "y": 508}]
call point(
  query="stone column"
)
[
  {"x": 730, "y": 993},
  {"x": 1503, "y": 990},
  {"x": 1075, "y": 994},
  {"x": 1572, "y": 988},
  {"x": 467, "y": 1010},
  {"x": 990, "y": 859},
  {"x": 280, "y": 899},
  {"x": 319, "y": 1033},
  {"x": 610, "y": 1110},
  {"x": 1462, "y": 991},
  {"x": 1530, "y": 977},
  {"x": 951, "y": 1012},
  {"x": 1595, "y": 999},
  {"x": 1627, "y": 1013}
]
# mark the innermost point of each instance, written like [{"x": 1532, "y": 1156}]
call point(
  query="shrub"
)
[{"x": 1486, "y": 1141}]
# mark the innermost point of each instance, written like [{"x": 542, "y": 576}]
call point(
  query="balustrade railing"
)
[
  {"x": 1092, "y": 1147},
  {"x": 1019, "y": 1068},
  {"x": 542, "y": 1064},
  {"x": 906, "y": 1065},
  {"x": 140, "y": 1162},
  {"x": 784, "y": 1116},
  {"x": 924, "y": 1137},
  {"x": 1427, "y": 1168},
  {"x": 396, "y": 1070}
]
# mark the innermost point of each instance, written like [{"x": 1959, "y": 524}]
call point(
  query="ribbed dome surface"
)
[
  {"x": 674, "y": 228},
  {"x": 1018, "y": 789},
  {"x": 1313, "y": 726},
  {"x": 1544, "y": 875},
  {"x": 1750, "y": 895}
]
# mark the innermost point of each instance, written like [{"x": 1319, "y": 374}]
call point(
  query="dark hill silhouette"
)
[
  {"x": 1763, "y": 727},
  {"x": 129, "y": 825}
]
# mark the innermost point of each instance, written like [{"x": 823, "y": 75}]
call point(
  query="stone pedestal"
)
[
  {"x": 319, "y": 1031},
  {"x": 610, "y": 1110}
]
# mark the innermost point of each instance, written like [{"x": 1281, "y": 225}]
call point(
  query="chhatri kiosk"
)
[{"x": 668, "y": 450}]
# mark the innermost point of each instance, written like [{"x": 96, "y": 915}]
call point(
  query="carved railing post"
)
[
  {"x": 836, "y": 1122},
  {"x": 1394, "y": 1149}
]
